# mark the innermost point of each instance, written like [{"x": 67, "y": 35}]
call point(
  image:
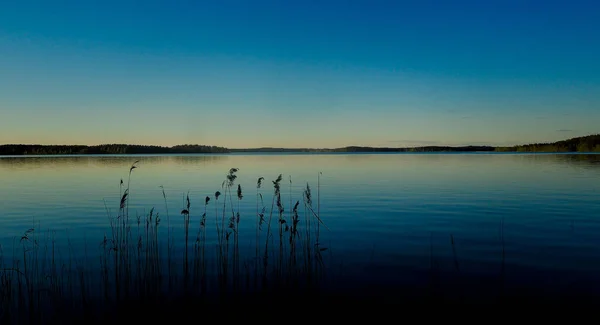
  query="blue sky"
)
[{"x": 298, "y": 73}]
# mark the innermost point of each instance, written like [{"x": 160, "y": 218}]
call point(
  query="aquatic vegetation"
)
[{"x": 136, "y": 264}]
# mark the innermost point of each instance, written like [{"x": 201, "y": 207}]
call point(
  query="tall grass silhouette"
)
[{"x": 135, "y": 264}]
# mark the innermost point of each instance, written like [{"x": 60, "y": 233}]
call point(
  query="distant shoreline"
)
[
  {"x": 585, "y": 144},
  {"x": 150, "y": 155}
]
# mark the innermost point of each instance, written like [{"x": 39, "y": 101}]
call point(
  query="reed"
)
[{"x": 134, "y": 263}]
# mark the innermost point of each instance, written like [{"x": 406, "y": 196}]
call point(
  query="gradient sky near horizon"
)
[{"x": 298, "y": 73}]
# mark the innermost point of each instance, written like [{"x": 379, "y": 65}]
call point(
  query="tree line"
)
[
  {"x": 105, "y": 149},
  {"x": 590, "y": 143}
]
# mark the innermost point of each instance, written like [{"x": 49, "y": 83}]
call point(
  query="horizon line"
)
[
  {"x": 294, "y": 148},
  {"x": 236, "y": 148}
]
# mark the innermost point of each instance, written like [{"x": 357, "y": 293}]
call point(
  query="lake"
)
[{"x": 388, "y": 218}]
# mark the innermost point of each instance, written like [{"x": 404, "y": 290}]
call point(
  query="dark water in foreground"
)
[{"x": 392, "y": 218}]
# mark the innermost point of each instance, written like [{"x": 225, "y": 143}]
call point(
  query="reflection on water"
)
[
  {"x": 121, "y": 161},
  {"x": 385, "y": 211},
  {"x": 583, "y": 160}
]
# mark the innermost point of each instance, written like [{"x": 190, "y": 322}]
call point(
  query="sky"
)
[{"x": 317, "y": 74}]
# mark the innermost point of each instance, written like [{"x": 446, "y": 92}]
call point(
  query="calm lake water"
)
[{"x": 390, "y": 216}]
